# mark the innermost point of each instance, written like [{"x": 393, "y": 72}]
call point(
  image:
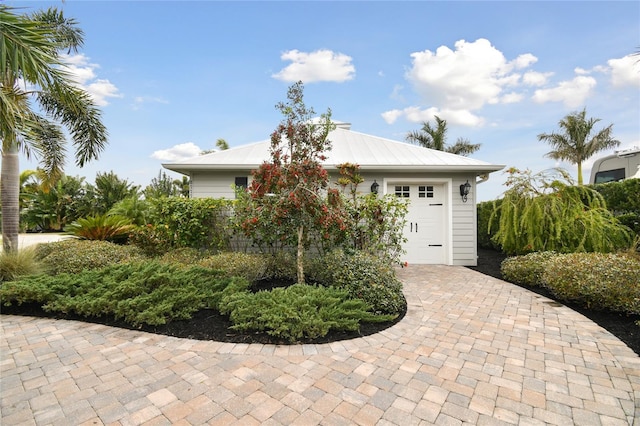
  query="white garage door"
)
[{"x": 426, "y": 227}]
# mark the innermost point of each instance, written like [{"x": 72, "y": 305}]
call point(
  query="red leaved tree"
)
[{"x": 288, "y": 194}]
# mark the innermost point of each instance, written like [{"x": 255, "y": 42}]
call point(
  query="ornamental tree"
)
[{"x": 288, "y": 199}]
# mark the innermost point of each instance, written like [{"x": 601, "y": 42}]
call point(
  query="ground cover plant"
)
[{"x": 225, "y": 296}]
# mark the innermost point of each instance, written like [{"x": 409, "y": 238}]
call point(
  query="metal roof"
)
[{"x": 369, "y": 152}]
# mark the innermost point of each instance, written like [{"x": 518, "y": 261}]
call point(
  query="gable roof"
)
[{"x": 369, "y": 152}]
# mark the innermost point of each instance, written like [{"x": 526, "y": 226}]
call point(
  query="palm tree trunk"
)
[
  {"x": 579, "y": 173},
  {"x": 10, "y": 187}
]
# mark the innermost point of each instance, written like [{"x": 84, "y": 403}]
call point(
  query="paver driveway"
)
[{"x": 471, "y": 350}]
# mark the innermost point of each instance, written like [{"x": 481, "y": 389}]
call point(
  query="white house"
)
[{"x": 441, "y": 223}]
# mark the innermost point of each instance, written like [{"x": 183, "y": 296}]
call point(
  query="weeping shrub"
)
[{"x": 546, "y": 212}]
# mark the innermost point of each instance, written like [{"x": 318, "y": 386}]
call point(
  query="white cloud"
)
[
  {"x": 572, "y": 93},
  {"x": 83, "y": 73},
  {"x": 390, "y": 117},
  {"x": 458, "y": 82},
  {"x": 534, "y": 78},
  {"x": 178, "y": 152},
  {"x": 321, "y": 65},
  {"x": 416, "y": 115},
  {"x": 467, "y": 78},
  {"x": 511, "y": 98},
  {"x": 625, "y": 71}
]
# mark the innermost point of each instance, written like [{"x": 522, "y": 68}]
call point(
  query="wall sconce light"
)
[
  {"x": 464, "y": 190},
  {"x": 374, "y": 187}
]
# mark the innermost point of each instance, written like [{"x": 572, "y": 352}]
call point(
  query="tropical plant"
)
[
  {"x": 285, "y": 203},
  {"x": 546, "y": 212},
  {"x": 108, "y": 190},
  {"x": 135, "y": 209},
  {"x": 53, "y": 208},
  {"x": 575, "y": 142},
  {"x": 164, "y": 186},
  {"x": 32, "y": 68},
  {"x": 101, "y": 227},
  {"x": 436, "y": 138}
]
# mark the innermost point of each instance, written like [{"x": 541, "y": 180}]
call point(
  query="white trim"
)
[{"x": 448, "y": 185}]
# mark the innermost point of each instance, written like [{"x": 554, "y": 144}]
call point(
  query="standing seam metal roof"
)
[{"x": 370, "y": 152}]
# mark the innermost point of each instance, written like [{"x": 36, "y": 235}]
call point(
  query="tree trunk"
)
[
  {"x": 10, "y": 187},
  {"x": 579, "y": 173},
  {"x": 300, "y": 256}
]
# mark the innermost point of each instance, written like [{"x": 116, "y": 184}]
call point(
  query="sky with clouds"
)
[{"x": 171, "y": 78}]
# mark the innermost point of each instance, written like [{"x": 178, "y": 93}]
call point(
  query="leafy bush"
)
[
  {"x": 296, "y": 312},
  {"x": 281, "y": 266},
  {"x": 101, "y": 227},
  {"x": 623, "y": 201},
  {"x": 74, "y": 256},
  {"x": 364, "y": 276},
  {"x": 251, "y": 267},
  {"x": 595, "y": 280},
  {"x": 139, "y": 293},
  {"x": 184, "y": 256},
  {"x": 152, "y": 240},
  {"x": 201, "y": 223},
  {"x": 18, "y": 263},
  {"x": 527, "y": 269}
]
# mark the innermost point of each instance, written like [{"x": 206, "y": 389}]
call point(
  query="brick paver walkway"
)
[{"x": 471, "y": 350}]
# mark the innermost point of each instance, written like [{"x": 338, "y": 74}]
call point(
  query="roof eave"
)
[{"x": 481, "y": 168}]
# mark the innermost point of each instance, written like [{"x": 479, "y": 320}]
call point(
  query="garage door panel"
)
[{"x": 425, "y": 226}]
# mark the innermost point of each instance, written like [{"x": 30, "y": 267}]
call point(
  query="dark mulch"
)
[
  {"x": 207, "y": 324},
  {"x": 622, "y": 326}
]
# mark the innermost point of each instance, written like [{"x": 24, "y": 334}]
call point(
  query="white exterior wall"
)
[
  {"x": 215, "y": 185},
  {"x": 460, "y": 217}
]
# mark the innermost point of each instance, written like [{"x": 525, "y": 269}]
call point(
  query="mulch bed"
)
[{"x": 210, "y": 325}]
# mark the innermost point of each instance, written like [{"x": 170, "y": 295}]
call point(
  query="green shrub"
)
[
  {"x": 527, "y": 269},
  {"x": 18, "y": 263},
  {"x": 281, "y": 265},
  {"x": 297, "y": 312},
  {"x": 138, "y": 293},
  {"x": 252, "y": 267},
  {"x": 548, "y": 213},
  {"x": 74, "y": 256},
  {"x": 488, "y": 223},
  {"x": 364, "y": 276},
  {"x": 184, "y": 256},
  {"x": 152, "y": 240},
  {"x": 101, "y": 227},
  {"x": 200, "y": 223},
  {"x": 595, "y": 280}
]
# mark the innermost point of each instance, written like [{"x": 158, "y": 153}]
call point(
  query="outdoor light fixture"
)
[
  {"x": 464, "y": 190},
  {"x": 374, "y": 187}
]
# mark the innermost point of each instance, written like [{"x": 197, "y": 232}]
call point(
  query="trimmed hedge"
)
[
  {"x": 75, "y": 256},
  {"x": 595, "y": 280},
  {"x": 598, "y": 281}
]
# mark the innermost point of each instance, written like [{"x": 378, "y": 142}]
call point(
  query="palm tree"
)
[
  {"x": 575, "y": 143},
  {"x": 31, "y": 68},
  {"x": 436, "y": 137}
]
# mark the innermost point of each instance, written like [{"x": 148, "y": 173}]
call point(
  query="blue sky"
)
[{"x": 173, "y": 77}]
